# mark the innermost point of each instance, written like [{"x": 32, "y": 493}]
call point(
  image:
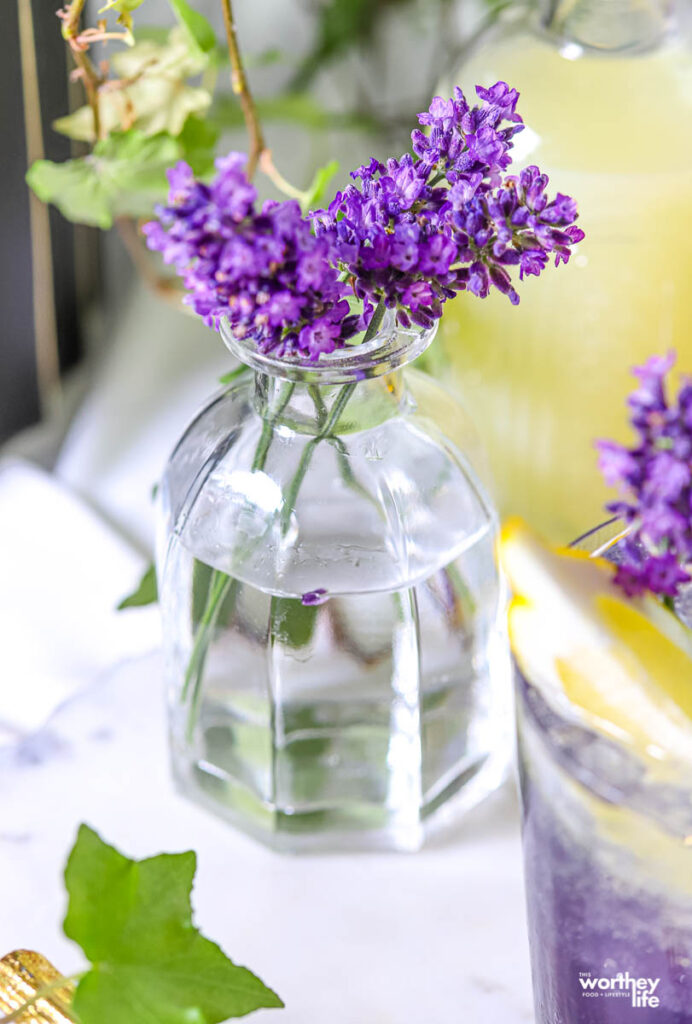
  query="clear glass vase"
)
[{"x": 335, "y": 660}]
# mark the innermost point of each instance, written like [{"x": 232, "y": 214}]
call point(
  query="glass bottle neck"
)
[
  {"x": 323, "y": 409},
  {"x": 614, "y": 26}
]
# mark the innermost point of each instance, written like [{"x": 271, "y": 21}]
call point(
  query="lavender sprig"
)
[
  {"x": 655, "y": 480},
  {"x": 263, "y": 269},
  {"x": 413, "y": 233}
]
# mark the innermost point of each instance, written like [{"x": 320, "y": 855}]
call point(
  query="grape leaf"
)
[
  {"x": 124, "y": 175},
  {"x": 195, "y": 25},
  {"x": 146, "y": 592},
  {"x": 133, "y": 919}
]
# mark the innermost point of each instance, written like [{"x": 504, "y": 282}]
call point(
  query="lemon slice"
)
[{"x": 625, "y": 664}]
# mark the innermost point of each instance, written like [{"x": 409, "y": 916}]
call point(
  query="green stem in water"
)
[
  {"x": 41, "y": 993},
  {"x": 326, "y": 427},
  {"x": 319, "y": 403},
  {"x": 270, "y": 422},
  {"x": 308, "y": 452},
  {"x": 221, "y": 585}
]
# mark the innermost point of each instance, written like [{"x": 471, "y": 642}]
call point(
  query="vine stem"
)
[
  {"x": 42, "y": 993},
  {"x": 239, "y": 84},
  {"x": 70, "y": 31}
]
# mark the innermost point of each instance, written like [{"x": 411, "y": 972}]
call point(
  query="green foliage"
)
[
  {"x": 198, "y": 30},
  {"x": 133, "y": 919},
  {"x": 198, "y": 145},
  {"x": 146, "y": 592},
  {"x": 153, "y": 93},
  {"x": 125, "y": 175}
]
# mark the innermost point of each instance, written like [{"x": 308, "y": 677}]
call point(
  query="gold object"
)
[{"x": 23, "y": 975}]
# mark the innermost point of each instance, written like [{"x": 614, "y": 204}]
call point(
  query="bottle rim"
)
[{"x": 392, "y": 347}]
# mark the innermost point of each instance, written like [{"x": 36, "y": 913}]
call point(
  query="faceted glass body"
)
[{"x": 336, "y": 666}]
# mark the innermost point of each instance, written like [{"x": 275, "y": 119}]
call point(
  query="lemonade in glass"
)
[
  {"x": 606, "y": 94},
  {"x": 604, "y": 702}
]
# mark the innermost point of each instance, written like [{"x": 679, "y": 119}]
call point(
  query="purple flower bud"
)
[{"x": 655, "y": 478}]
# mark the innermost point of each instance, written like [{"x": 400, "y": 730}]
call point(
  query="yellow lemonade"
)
[{"x": 546, "y": 378}]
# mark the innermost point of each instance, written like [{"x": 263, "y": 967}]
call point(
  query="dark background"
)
[{"x": 19, "y": 393}]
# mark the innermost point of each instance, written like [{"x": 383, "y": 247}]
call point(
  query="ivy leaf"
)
[
  {"x": 318, "y": 186},
  {"x": 198, "y": 29},
  {"x": 74, "y": 188},
  {"x": 124, "y": 175},
  {"x": 146, "y": 592},
  {"x": 133, "y": 919}
]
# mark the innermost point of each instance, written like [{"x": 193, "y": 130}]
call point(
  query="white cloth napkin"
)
[{"x": 63, "y": 571}]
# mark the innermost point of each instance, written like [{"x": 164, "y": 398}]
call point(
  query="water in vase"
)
[{"x": 364, "y": 712}]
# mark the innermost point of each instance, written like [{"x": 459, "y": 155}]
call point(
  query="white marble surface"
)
[{"x": 432, "y": 938}]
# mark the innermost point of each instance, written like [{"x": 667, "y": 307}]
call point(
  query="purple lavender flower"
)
[
  {"x": 411, "y": 233},
  {"x": 263, "y": 269},
  {"x": 418, "y": 230},
  {"x": 655, "y": 481}
]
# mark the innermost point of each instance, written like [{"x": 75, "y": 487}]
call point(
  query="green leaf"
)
[
  {"x": 228, "y": 378},
  {"x": 78, "y": 125},
  {"x": 124, "y": 175},
  {"x": 195, "y": 24},
  {"x": 158, "y": 97},
  {"x": 133, "y": 166},
  {"x": 133, "y": 919},
  {"x": 146, "y": 592},
  {"x": 318, "y": 186},
  {"x": 198, "y": 140},
  {"x": 74, "y": 189}
]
